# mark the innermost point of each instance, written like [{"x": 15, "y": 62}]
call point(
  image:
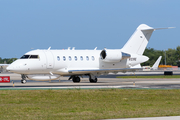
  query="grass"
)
[
  {"x": 88, "y": 104},
  {"x": 154, "y": 76}
]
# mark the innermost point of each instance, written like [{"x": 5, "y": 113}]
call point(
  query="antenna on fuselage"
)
[
  {"x": 49, "y": 48},
  {"x": 69, "y": 48},
  {"x": 73, "y": 48},
  {"x": 95, "y": 48}
]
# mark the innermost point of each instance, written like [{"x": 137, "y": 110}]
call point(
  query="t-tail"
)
[{"x": 139, "y": 40}]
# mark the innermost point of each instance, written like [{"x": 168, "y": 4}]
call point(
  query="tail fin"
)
[
  {"x": 156, "y": 64},
  {"x": 139, "y": 40}
]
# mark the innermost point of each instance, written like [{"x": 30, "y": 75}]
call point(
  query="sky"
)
[{"x": 84, "y": 24}]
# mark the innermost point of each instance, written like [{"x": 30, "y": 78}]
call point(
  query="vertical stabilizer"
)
[{"x": 139, "y": 40}]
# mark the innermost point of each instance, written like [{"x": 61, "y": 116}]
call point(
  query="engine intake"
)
[{"x": 113, "y": 55}]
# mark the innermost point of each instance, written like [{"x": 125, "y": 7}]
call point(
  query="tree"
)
[
  {"x": 178, "y": 55},
  {"x": 172, "y": 56},
  {"x": 7, "y": 60}
]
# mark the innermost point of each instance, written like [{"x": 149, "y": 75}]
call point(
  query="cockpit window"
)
[
  {"x": 34, "y": 56},
  {"x": 29, "y": 57},
  {"x": 25, "y": 57}
]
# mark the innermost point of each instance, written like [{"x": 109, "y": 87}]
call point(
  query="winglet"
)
[{"x": 156, "y": 64}]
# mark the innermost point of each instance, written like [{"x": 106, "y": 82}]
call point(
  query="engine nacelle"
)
[
  {"x": 43, "y": 77},
  {"x": 113, "y": 55}
]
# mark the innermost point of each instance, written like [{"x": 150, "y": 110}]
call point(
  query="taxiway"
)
[{"x": 109, "y": 81}]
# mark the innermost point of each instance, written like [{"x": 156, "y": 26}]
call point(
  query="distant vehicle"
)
[{"x": 51, "y": 64}]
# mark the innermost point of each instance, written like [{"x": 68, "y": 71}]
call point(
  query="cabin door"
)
[{"x": 49, "y": 59}]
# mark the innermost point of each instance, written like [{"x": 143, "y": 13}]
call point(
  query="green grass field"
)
[
  {"x": 88, "y": 104},
  {"x": 154, "y": 76}
]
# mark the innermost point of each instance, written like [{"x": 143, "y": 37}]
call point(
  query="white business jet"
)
[{"x": 51, "y": 64}]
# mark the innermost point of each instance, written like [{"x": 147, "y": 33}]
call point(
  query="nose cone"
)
[
  {"x": 16, "y": 67},
  {"x": 10, "y": 68}
]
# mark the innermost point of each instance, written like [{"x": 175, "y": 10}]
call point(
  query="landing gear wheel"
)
[
  {"x": 23, "y": 81},
  {"x": 93, "y": 80},
  {"x": 23, "y": 78},
  {"x": 76, "y": 79}
]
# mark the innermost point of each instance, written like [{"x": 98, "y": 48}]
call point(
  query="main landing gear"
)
[
  {"x": 92, "y": 79},
  {"x": 23, "y": 78},
  {"x": 76, "y": 79}
]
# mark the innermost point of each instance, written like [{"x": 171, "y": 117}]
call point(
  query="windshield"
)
[
  {"x": 30, "y": 57},
  {"x": 25, "y": 57},
  {"x": 34, "y": 56}
]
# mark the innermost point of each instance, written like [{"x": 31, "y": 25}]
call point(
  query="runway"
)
[{"x": 103, "y": 82}]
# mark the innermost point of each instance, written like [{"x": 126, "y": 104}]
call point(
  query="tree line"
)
[
  {"x": 172, "y": 57},
  {"x": 7, "y": 60}
]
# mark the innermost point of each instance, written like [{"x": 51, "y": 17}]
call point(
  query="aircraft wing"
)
[
  {"x": 4, "y": 64},
  {"x": 3, "y": 67},
  {"x": 87, "y": 71},
  {"x": 156, "y": 64}
]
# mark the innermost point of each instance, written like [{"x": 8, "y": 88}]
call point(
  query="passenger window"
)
[
  {"x": 87, "y": 58},
  {"x": 92, "y": 58},
  {"x": 81, "y": 58},
  {"x": 69, "y": 58},
  {"x": 58, "y": 58},
  {"x": 64, "y": 58},
  {"x": 75, "y": 57}
]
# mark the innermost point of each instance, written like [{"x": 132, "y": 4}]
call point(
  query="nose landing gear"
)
[{"x": 23, "y": 81}]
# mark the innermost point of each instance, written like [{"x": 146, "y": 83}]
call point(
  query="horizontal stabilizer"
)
[{"x": 156, "y": 28}]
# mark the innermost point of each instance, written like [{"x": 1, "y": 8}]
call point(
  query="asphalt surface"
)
[{"x": 109, "y": 81}]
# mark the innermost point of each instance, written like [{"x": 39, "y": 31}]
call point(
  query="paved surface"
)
[{"x": 108, "y": 82}]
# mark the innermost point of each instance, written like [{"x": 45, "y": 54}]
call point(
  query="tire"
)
[
  {"x": 93, "y": 80},
  {"x": 23, "y": 81},
  {"x": 76, "y": 79}
]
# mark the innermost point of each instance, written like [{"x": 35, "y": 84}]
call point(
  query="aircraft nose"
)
[{"x": 9, "y": 68}]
